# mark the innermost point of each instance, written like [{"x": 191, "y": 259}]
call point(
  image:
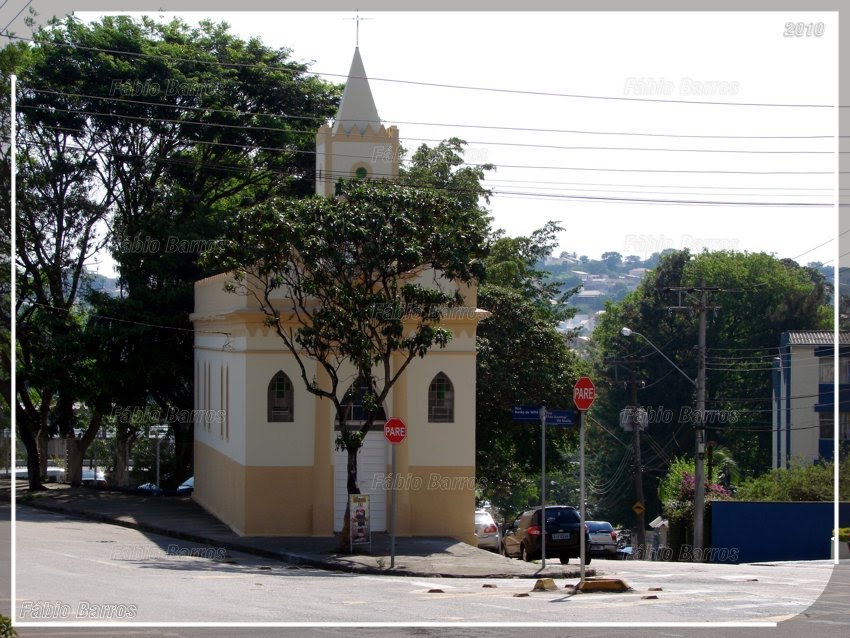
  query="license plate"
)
[{"x": 561, "y": 537}]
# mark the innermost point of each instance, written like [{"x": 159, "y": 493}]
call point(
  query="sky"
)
[{"x": 584, "y": 113}]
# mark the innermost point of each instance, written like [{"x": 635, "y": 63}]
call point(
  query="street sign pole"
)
[
  {"x": 395, "y": 431},
  {"x": 392, "y": 510},
  {"x": 584, "y": 394},
  {"x": 543, "y": 486},
  {"x": 582, "y": 548}
]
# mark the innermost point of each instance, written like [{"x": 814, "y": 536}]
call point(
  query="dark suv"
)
[{"x": 523, "y": 538}]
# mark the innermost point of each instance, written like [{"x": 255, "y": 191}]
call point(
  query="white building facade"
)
[{"x": 269, "y": 465}]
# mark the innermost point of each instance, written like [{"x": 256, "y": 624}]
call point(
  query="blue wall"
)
[{"x": 752, "y": 532}]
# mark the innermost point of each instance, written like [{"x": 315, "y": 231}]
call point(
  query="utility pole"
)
[
  {"x": 636, "y": 424},
  {"x": 699, "y": 478},
  {"x": 699, "y": 419}
]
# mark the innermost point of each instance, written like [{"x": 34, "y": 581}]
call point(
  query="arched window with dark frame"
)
[
  {"x": 441, "y": 400},
  {"x": 281, "y": 399},
  {"x": 355, "y": 413}
]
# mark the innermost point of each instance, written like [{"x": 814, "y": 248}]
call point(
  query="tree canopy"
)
[
  {"x": 522, "y": 360},
  {"x": 756, "y": 297},
  {"x": 145, "y": 135}
]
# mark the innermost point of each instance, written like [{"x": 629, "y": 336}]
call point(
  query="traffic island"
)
[{"x": 613, "y": 585}]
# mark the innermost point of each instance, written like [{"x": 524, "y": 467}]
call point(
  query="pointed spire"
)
[{"x": 357, "y": 108}]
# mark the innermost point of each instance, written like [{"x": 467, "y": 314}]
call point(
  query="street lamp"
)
[{"x": 699, "y": 479}]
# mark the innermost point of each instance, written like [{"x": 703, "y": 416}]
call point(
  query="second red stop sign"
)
[{"x": 395, "y": 430}]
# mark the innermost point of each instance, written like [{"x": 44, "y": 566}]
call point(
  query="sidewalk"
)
[{"x": 182, "y": 518}]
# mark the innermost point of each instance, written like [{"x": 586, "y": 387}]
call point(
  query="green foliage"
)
[
  {"x": 442, "y": 167},
  {"x": 844, "y": 534},
  {"x": 677, "y": 490},
  {"x": 6, "y": 628},
  {"x": 194, "y": 129},
  {"x": 339, "y": 279},
  {"x": 800, "y": 482},
  {"x": 522, "y": 359},
  {"x": 758, "y": 297}
]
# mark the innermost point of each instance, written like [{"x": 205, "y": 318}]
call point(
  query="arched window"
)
[
  {"x": 441, "y": 400},
  {"x": 352, "y": 403},
  {"x": 281, "y": 399}
]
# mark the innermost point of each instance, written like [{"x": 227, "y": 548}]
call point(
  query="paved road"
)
[{"x": 71, "y": 570}]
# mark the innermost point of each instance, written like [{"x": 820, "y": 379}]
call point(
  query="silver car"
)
[
  {"x": 603, "y": 539},
  {"x": 487, "y": 531}
]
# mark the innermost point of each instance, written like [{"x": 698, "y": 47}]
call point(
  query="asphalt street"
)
[{"x": 97, "y": 570}]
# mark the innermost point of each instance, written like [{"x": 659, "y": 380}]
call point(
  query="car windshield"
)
[{"x": 562, "y": 516}]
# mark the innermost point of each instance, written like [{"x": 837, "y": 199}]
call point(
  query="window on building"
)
[
  {"x": 441, "y": 400},
  {"x": 281, "y": 399},
  {"x": 355, "y": 412},
  {"x": 827, "y": 426},
  {"x": 361, "y": 172},
  {"x": 827, "y": 370}
]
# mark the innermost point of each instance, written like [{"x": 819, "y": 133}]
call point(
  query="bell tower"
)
[{"x": 356, "y": 145}]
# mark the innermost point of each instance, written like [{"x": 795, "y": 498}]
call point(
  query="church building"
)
[{"x": 269, "y": 466}]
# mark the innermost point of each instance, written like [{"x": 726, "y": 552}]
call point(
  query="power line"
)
[
  {"x": 232, "y": 112},
  {"x": 29, "y": 2},
  {"x": 323, "y": 120},
  {"x": 274, "y": 67},
  {"x": 482, "y": 165},
  {"x": 493, "y": 192},
  {"x": 129, "y": 321}
]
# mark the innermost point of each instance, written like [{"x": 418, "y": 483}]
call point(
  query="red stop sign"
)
[
  {"x": 395, "y": 430},
  {"x": 584, "y": 393}
]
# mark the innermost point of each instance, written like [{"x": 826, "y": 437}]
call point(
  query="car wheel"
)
[
  {"x": 565, "y": 560},
  {"x": 524, "y": 552},
  {"x": 587, "y": 560}
]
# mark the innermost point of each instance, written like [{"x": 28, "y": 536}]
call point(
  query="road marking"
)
[{"x": 415, "y": 583}]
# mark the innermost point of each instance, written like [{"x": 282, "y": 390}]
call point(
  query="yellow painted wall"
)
[
  {"x": 442, "y": 502},
  {"x": 220, "y": 486},
  {"x": 279, "y": 501}
]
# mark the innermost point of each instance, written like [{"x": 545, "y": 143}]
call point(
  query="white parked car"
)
[
  {"x": 487, "y": 531},
  {"x": 603, "y": 539}
]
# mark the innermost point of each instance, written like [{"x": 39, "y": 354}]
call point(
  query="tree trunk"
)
[
  {"x": 28, "y": 439},
  {"x": 42, "y": 441},
  {"x": 345, "y": 541},
  {"x": 77, "y": 448},
  {"x": 123, "y": 443},
  {"x": 73, "y": 462}
]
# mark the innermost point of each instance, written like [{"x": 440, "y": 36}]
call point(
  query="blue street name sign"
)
[
  {"x": 527, "y": 413},
  {"x": 558, "y": 418}
]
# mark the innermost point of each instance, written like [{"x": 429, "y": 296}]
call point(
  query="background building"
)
[{"x": 804, "y": 396}]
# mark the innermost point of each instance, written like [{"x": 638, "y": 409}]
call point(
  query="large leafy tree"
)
[
  {"x": 522, "y": 359},
  {"x": 338, "y": 281},
  {"x": 185, "y": 126},
  {"x": 57, "y": 234},
  {"x": 757, "y": 297}
]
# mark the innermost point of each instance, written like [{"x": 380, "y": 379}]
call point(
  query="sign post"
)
[
  {"x": 395, "y": 431},
  {"x": 556, "y": 418},
  {"x": 543, "y": 486},
  {"x": 584, "y": 394}
]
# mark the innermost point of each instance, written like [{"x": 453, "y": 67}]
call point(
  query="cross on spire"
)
[{"x": 357, "y": 19}]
